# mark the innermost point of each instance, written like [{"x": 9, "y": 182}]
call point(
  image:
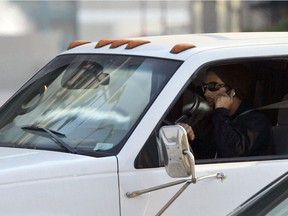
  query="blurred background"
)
[{"x": 33, "y": 32}]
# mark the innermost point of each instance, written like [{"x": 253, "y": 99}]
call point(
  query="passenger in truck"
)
[{"x": 234, "y": 128}]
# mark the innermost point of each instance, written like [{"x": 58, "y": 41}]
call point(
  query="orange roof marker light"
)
[
  {"x": 104, "y": 42},
  {"x": 181, "y": 47},
  {"x": 117, "y": 43},
  {"x": 77, "y": 43},
  {"x": 135, "y": 43}
]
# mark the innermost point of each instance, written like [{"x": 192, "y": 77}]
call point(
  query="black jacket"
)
[{"x": 247, "y": 133}]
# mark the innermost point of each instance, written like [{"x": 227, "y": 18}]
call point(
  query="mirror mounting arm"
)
[
  {"x": 179, "y": 192},
  {"x": 192, "y": 165},
  {"x": 140, "y": 192}
]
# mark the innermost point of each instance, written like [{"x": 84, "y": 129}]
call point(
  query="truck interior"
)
[{"x": 269, "y": 94}]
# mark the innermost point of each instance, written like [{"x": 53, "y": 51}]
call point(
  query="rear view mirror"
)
[{"x": 174, "y": 143}]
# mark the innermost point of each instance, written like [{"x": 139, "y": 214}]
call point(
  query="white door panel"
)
[{"x": 207, "y": 197}]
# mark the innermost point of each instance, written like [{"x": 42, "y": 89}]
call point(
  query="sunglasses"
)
[{"x": 212, "y": 86}]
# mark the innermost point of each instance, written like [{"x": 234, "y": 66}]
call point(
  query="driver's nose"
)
[{"x": 207, "y": 93}]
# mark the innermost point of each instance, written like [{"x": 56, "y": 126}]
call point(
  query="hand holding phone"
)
[{"x": 225, "y": 100}]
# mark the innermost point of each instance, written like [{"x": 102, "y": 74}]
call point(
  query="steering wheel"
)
[{"x": 190, "y": 108}]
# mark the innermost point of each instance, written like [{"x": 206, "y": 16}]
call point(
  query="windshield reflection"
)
[{"x": 95, "y": 100}]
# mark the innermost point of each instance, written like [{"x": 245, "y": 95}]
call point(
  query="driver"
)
[{"x": 235, "y": 128}]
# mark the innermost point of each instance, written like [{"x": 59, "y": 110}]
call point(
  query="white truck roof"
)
[{"x": 161, "y": 46}]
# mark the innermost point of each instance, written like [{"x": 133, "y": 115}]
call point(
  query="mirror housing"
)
[{"x": 173, "y": 144}]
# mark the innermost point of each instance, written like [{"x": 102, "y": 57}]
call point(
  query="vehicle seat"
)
[{"x": 280, "y": 131}]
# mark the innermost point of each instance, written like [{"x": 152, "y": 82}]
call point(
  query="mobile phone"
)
[{"x": 231, "y": 90}]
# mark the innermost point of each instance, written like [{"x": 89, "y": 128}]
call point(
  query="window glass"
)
[
  {"x": 280, "y": 209},
  {"x": 89, "y": 102}
]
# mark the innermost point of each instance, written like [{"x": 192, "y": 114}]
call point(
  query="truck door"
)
[{"x": 210, "y": 195}]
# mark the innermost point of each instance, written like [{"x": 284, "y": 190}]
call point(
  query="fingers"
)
[
  {"x": 189, "y": 131},
  {"x": 224, "y": 101}
]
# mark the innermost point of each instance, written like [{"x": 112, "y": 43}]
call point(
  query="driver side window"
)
[{"x": 268, "y": 87}]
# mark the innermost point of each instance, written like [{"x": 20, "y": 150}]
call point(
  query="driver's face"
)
[{"x": 211, "y": 95}]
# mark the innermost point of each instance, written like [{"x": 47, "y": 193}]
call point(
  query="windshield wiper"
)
[{"x": 54, "y": 135}]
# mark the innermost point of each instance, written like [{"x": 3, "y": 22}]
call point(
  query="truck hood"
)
[{"x": 20, "y": 165}]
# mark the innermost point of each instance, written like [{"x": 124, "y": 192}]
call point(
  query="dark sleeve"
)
[
  {"x": 250, "y": 134},
  {"x": 203, "y": 146}
]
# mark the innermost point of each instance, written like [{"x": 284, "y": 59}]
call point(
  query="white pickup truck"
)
[{"x": 93, "y": 132}]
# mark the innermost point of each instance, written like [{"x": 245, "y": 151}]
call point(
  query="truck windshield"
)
[{"x": 90, "y": 102}]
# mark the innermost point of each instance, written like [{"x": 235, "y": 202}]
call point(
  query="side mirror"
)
[
  {"x": 179, "y": 162},
  {"x": 174, "y": 146}
]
